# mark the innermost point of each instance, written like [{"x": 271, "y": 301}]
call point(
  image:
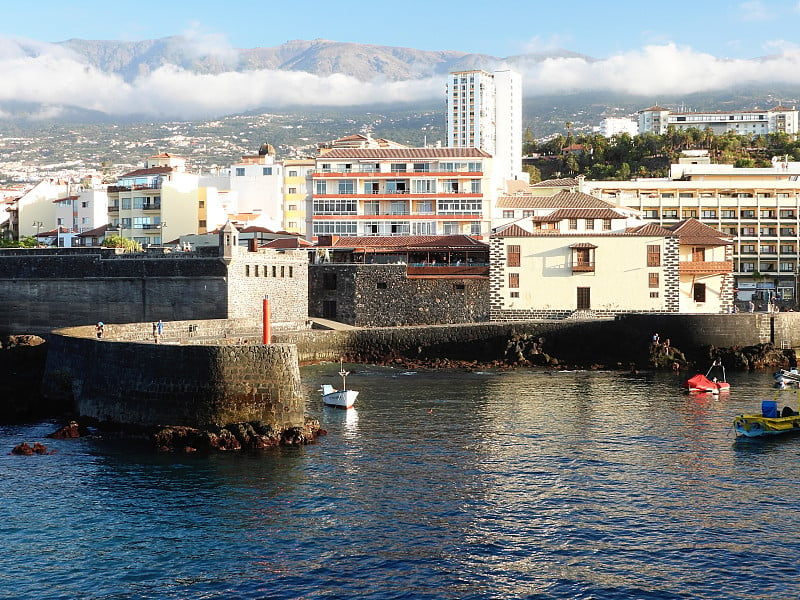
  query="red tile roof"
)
[
  {"x": 286, "y": 243},
  {"x": 563, "y": 182},
  {"x": 692, "y": 231},
  {"x": 148, "y": 171},
  {"x": 409, "y": 242},
  {"x": 584, "y": 213},
  {"x": 562, "y": 199},
  {"x": 400, "y": 153}
]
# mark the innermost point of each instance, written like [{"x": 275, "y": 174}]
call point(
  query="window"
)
[
  {"x": 589, "y": 224},
  {"x": 606, "y": 224},
  {"x": 699, "y": 292},
  {"x": 573, "y": 224},
  {"x": 126, "y": 204},
  {"x": 508, "y": 214},
  {"x": 475, "y": 186},
  {"x": 787, "y": 267},
  {"x": 689, "y": 214},
  {"x": 747, "y": 248},
  {"x": 654, "y": 255},
  {"x": 787, "y": 214},
  {"x": 450, "y": 186},
  {"x": 292, "y": 173},
  {"x": 747, "y": 267},
  {"x": 201, "y": 204},
  {"x": 670, "y": 214},
  {"x": 767, "y": 214},
  {"x": 709, "y": 214},
  {"x": 398, "y": 168},
  {"x": 514, "y": 294},
  {"x": 584, "y": 298},
  {"x": 651, "y": 214},
  {"x": 748, "y": 214},
  {"x": 728, "y": 214},
  {"x": 84, "y": 205},
  {"x": 266, "y": 171},
  {"x": 423, "y": 186},
  {"x": 322, "y": 187},
  {"x": 240, "y": 171},
  {"x": 201, "y": 223},
  {"x": 749, "y": 231},
  {"x": 513, "y": 259},
  {"x": 513, "y": 280},
  {"x": 422, "y": 167},
  {"x": 292, "y": 190},
  {"x": 346, "y": 186},
  {"x": 526, "y": 213},
  {"x": 654, "y": 294},
  {"x": 652, "y": 280}
]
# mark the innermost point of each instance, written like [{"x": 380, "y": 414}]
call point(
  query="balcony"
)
[
  {"x": 583, "y": 266},
  {"x": 151, "y": 206},
  {"x": 702, "y": 267}
]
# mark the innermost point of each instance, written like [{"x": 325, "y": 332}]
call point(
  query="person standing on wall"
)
[{"x": 160, "y": 330}]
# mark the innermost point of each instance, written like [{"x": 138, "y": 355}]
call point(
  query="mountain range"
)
[{"x": 365, "y": 62}]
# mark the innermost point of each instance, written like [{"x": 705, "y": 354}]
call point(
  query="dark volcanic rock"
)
[
  {"x": 22, "y": 360},
  {"x": 73, "y": 429}
]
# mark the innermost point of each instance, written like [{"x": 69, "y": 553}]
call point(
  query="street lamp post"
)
[
  {"x": 38, "y": 225},
  {"x": 162, "y": 225}
]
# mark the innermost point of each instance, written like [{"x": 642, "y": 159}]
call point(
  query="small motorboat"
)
[
  {"x": 786, "y": 377},
  {"x": 769, "y": 422},
  {"x": 702, "y": 384},
  {"x": 342, "y": 398}
]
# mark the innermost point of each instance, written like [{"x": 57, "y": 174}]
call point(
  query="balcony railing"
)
[
  {"x": 702, "y": 267},
  {"x": 583, "y": 267}
]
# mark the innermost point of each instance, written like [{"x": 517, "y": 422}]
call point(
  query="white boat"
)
[{"x": 342, "y": 398}]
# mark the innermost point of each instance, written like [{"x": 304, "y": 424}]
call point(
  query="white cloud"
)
[
  {"x": 667, "y": 69},
  {"x": 754, "y": 10},
  {"x": 51, "y": 77}
]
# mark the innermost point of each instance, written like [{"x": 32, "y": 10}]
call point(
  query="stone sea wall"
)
[
  {"x": 174, "y": 384},
  {"x": 622, "y": 340}
]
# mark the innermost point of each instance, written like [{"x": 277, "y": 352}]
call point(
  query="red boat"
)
[{"x": 702, "y": 384}]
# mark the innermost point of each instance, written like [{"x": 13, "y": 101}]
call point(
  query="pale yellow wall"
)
[
  {"x": 713, "y": 303},
  {"x": 619, "y": 282},
  {"x": 180, "y": 206}
]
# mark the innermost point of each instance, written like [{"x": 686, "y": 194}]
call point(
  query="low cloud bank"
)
[{"x": 50, "y": 76}]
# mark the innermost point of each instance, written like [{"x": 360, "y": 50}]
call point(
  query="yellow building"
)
[
  {"x": 598, "y": 260},
  {"x": 296, "y": 193},
  {"x": 161, "y": 202}
]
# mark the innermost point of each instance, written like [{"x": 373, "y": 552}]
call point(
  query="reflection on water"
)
[{"x": 442, "y": 485}]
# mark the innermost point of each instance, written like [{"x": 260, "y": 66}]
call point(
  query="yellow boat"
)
[{"x": 769, "y": 422}]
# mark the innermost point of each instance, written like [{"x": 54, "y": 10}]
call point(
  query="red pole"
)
[{"x": 267, "y": 333}]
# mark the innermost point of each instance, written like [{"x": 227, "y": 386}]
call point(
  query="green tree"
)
[
  {"x": 25, "y": 242},
  {"x": 533, "y": 172}
]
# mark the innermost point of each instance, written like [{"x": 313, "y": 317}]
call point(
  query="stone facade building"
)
[{"x": 396, "y": 281}]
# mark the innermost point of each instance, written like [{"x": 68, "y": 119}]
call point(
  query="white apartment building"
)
[
  {"x": 758, "y": 208},
  {"x": 484, "y": 111},
  {"x": 778, "y": 119},
  {"x": 611, "y": 126},
  {"x": 254, "y": 185},
  {"x": 80, "y": 212},
  {"x": 412, "y": 191}
]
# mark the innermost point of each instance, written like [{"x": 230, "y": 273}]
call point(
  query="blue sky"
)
[
  {"x": 649, "y": 49},
  {"x": 725, "y": 29}
]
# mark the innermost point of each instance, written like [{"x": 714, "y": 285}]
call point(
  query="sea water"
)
[{"x": 443, "y": 484}]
